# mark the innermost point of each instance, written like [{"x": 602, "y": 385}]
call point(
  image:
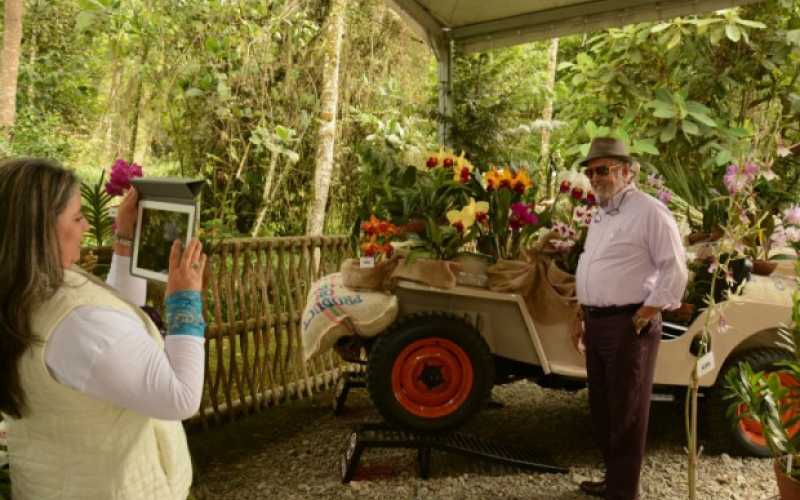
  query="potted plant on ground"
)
[{"x": 770, "y": 401}]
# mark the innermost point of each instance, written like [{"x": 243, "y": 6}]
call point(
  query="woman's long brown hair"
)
[{"x": 33, "y": 193}]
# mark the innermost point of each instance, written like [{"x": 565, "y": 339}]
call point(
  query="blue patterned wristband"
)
[{"x": 185, "y": 314}]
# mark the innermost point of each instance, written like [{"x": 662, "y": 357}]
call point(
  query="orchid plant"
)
[
  {"x": 568, "y": 219},
  {"x": 510, "y": 193},
  {"x": 787, "y": 231},
  {"x": 97, "y": 198},
  {"x": 750, "y": 227},
  {"x": 376, "y": 239},
  {"x": 121, "y": 174}
]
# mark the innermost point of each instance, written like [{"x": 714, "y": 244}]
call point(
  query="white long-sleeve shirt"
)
[
  {"x": 109, "y": 355},
  {"x": 635, "y": 256}
]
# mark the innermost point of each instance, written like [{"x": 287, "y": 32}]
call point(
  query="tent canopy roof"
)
[{"x": 476, "y": 25}]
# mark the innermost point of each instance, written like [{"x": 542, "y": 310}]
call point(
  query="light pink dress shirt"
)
[{"x": 635, "y": 256}]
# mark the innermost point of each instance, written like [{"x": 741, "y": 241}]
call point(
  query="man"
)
[{"x": 632, "y": 267}]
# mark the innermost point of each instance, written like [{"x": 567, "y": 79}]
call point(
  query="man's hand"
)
[
  {"x": 643, "y": 316},
  {"x": 577, "y": 330}
]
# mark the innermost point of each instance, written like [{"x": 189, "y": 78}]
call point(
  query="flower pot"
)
[
  {"x": 473, "y": 270},
  {"x": 703, "y": 237},
  {"x": 696, "y": 237},
  {"x": 764, "y": 267},
  {"x": 416, "y": 226},
  {"x": 367, "y": 278},
  {"x": 788, "y": 487}
]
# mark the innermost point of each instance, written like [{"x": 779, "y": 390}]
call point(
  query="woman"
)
[{"x": 92, "y": 395}]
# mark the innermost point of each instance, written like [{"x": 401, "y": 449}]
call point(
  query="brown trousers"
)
[{"x": 620, "y": 367}]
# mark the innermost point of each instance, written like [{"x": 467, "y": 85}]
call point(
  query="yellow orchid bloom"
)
[
  {"x": 479, "y": 209},
  {"x": 449, "y": 159},
  {"x": 435, "y": 159},
  {"x": 462, "y": 219},
  {"x": 462, "y": 170}
]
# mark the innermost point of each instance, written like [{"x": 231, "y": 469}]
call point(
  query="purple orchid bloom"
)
[
  {"x": 121, "y": 174},
  {"x": 522, "y": 215},
  {"x": 665, "y": 196},
  {"x": 751, "y": 170},
  {"x": 792, "y": 215}
]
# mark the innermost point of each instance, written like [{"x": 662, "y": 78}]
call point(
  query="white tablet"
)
[{"x": 158, "y": 224}]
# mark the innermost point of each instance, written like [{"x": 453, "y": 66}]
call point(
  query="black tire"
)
[
  {"x": 436, "y": 331},
  {"x": 723, "y": 434}
]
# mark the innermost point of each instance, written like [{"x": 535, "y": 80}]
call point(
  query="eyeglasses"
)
[{"x": 600, "y": 170}]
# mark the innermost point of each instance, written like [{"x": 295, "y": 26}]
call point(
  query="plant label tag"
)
[
  {"x": 367, "y": 262},
  {"x": 705, "y": 364}
]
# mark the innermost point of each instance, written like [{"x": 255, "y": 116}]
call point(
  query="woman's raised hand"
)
[
  {"x": 126, "y": 214},
  {"x": 186, "y": 267}
]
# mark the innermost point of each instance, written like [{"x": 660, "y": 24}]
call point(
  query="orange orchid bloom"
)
[
  {"x": 371, "y": 226},
  {"x": 506, "y": 178},
  {"x": 522, "y": 182},
  {"x": 492, "y": 179},
  {"x": 371, "y": 247}
]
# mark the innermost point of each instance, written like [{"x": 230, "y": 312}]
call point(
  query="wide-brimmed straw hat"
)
[{"x": 607, "y": 147}]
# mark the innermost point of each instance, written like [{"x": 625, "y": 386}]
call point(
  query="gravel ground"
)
[{"x": 294, "y": 452}]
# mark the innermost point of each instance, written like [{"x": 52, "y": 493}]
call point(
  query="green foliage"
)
[
  {"x": 763, "y": 396},
  {"x": 96, "y": 202},
  {"x": 230, "y": 91},
  {"x": 701, "y": 91},
  {"x": 36, "y": 134},
  {"x": 494, "y": 93}
]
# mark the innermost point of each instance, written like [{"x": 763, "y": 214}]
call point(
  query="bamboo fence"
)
[{"x": 255, "y": 295}]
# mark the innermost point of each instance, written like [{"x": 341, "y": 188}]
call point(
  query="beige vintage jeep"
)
[{"x": 435, "y": 365}]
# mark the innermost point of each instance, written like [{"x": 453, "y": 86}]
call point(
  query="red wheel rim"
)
[
  {"x": 432, "y": 377},
  {"x": 752, "y": 430}
]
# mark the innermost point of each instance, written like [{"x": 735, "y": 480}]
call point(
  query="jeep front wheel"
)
[{"x": 429, "y": 372}]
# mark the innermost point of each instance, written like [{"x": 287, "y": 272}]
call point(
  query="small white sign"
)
[
  {"x": 367, "y": 262},
  {"x": 705, "y": 364}
]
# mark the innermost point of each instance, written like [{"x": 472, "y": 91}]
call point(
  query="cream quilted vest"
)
[{"x": 72, "y": 447}]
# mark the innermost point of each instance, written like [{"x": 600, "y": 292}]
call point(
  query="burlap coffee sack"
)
[
  {"x": 334, "y": 311},
  {"x": 548, "y": 290}
]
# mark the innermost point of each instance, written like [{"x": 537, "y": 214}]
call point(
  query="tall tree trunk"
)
[
  {"x": 109, "y": 124},
  {"x": 547, "y": 114},
  {"x": 9, "y": 61},
  {"x": 32, "y": 63},
  {"x": 327, "y": 130},
  {"x": 137, "y": 104}
]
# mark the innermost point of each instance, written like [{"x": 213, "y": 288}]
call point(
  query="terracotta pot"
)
[
  {"x": 413, "y": 226},
  {"x": 788, "y": 487},
  {"x": 701, "y": 237},
  {"x": 764, "y": 267},
  {"x": 697, "y": 237}
]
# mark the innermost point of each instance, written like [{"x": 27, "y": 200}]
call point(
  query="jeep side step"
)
[{"x": 381, "y": 435}]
